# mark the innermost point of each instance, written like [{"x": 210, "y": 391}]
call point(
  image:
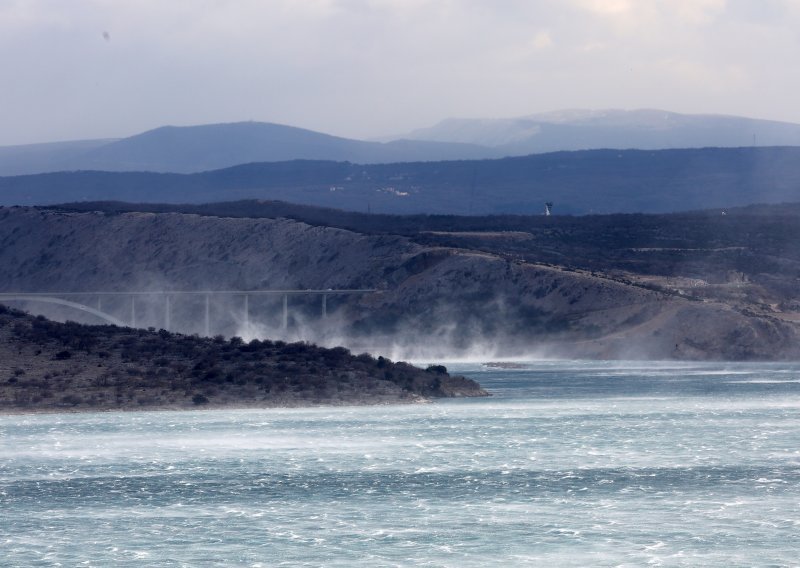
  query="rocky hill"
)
[
  {"x": 48, "y": 366},
  {"x": 533, "y": 292}
]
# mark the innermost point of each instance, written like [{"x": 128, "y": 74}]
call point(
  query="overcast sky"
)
[{"x": 75, "y": 69}]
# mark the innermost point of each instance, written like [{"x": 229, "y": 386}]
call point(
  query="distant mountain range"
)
[
  {"x": 190, "y": 149},
  {"x": 193, "y": 149},
  {"x": 644, "y": 129},
  {"x": 589, "y": 181}
]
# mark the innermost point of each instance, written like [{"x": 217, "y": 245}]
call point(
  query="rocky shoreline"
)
[{"x": 46, "y": 366}]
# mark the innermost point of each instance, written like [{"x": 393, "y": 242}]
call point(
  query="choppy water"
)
[{"x": 569, "y": 464}]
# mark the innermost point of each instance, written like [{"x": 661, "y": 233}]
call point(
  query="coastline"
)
[
  {"x": 69, "y": 367},
  {"x": 264, "y": 405}
]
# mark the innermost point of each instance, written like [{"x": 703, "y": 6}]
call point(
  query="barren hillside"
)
[{"x": 431, "y": 300}]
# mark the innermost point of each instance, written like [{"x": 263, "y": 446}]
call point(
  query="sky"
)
[{"x": 81, "y": 69}]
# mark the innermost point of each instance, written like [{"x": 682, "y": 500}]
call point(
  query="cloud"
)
[
  {"x": 688, "y": 11},
  {"x": 607, "y": 7},
  {"x": 697, "y": 12},
  {"x": 694, "y": 74},
  {"x": 372, "y": 67},
  {"x": 542, "y": 40}
]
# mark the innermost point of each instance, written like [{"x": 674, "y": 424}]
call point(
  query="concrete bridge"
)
[{"x": 95, "y": 303}]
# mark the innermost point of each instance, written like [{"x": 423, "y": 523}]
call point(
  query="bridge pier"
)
[
  {"x": 208, "y": 316},
  {"x": 134, "y": 314},
  {"x": 167, "y": 315}
]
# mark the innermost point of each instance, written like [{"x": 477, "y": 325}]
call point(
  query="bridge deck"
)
[
  {"x": 166, "y": 296},
  {"x": 194, "y": 292}
]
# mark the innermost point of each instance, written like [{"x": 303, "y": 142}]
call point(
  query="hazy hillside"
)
[
  {"x": 191, "y": 149},
  {"x": 54, "y": 156},
  {"x": 198, "y": 148},
  {"x": 587, "y": 129},
  {"x": 438, "y": 294},
  {"x": 592, "y": 181}
]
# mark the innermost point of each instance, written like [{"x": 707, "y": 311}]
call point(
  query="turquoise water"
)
[{"x": 569, "y": 464}]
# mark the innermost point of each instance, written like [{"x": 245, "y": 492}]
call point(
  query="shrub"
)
[
  {"x": 365, "y": 358},
  {"x": 71, "y": 399},
  {"x": 200, "y": 399}
]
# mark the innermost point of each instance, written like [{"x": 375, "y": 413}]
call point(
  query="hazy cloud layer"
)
[{"x": 360, "y": 68}]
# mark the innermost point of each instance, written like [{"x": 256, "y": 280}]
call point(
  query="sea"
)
[{"x": 568, "y": 464}]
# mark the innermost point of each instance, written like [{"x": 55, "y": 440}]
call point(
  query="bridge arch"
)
[{"x": 75, "y": 305}]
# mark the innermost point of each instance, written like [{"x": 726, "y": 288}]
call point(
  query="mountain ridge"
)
[
  {"x": 193, "y": 149},
  {"x": 581, "y": 182},
  {"x": 583, "y": 129},
  {"x": 204, "y": 147}
]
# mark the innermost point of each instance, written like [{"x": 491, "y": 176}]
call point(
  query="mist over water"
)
[
  {"x": 263, "y": 318},
  {"x": 569, "y": 464}
]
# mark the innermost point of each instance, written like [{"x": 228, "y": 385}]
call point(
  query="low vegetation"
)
[{"x": 46, "y": 365}]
